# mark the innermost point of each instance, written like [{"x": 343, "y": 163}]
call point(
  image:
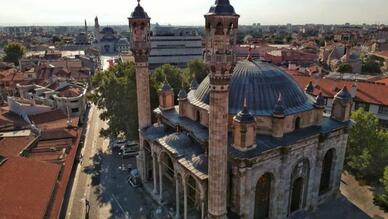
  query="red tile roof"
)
[
  {"x": 368, "y": 92},
  {"x": 26, "y": 187},
  {"x": 13, "y": 146}
]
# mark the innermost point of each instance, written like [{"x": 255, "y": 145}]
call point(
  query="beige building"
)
[{"x": 247, "y": 142}]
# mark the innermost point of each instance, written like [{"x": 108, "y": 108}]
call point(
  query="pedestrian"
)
[{"x": 80, "y": 158}]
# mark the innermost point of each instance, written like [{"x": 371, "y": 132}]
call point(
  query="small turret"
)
[
  {"x": 244, "y": 133},
  {"x": 319, "y": 107},
  {"x": 182, "y": 99},
  {"x": 194, "y": 84},
  {"x": 310, "y": 88},
  {"x": 278, "y": 119},
  {"x": 342, "y": 105},
  {"x": 166, "y": 96}
]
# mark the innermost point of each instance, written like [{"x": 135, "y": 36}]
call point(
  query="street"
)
[{"x": 100, "y": 189}]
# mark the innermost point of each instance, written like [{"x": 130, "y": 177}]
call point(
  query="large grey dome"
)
[{"x": 261, "y": 83}]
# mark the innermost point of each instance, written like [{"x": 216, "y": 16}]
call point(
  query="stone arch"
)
[
  {"x": 219, "y": 29},
  {"x": 328, "y": 165},
  {"x": 263, "y": 196},
  {"x": 299, "y": 185},
  {"x": 148, "y": 161}
]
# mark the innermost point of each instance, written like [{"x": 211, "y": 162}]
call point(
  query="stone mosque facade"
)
[{"x": 246, "y": 142}]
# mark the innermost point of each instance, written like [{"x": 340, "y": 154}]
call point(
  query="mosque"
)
[{"x": 246, "y": 142}]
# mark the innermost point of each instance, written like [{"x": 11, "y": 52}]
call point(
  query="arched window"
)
[
  {"x": 192, "y": 192},
  {"x": 297, "y": 123},
  {"x": 299, "y": 184},
  {"x": 327, "y": 166},
  {"x": 263, "y": 197},
  {"x": 219, "y": 29}
]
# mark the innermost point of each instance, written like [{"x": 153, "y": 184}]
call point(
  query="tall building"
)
[
  {"x": 175, "y": 46},
  {"x": 247, "y": 142}
]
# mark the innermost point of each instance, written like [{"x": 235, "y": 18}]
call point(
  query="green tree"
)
[
  {"x": 345, "y": 68},
  {"x": 14, "y": 52},
  {"x": 372, "y": 65},
  {"x": 195, "y": 68},
  {"x": 175, "y": 77},
  {"x": 382, "y": 200},
  {"x": 115, "y": 95},
  {"x": 367, "y": 153}
]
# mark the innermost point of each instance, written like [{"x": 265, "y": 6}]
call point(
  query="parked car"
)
[
  {"x": 116, "y": 144},
  {"x": 128, "y": 145},
  {"x": 134, "y": 178},
  {"x": 129, "y": 152}
]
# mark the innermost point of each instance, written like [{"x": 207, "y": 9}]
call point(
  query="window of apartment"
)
[
  {"x": 383, "y": 123},
  {"x": 359, "y": 105},
  {"x": 383, "y": 110},
  {"x": 75, "y": 110}
]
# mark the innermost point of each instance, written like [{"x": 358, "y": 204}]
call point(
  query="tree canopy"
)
[
  {"x": 345, "y": 68},
  {"x": 367, "y": 152},
  {"x": 14, "y": 52},
  {"x": 372, "y": 65},
  {"x": 115, "y": 95}
]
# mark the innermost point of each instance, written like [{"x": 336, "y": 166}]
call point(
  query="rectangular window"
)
[
  {"x": 383, "y": 110},
  {"x": 75, "y": 110},
  {"x": 359, "y": 105}
]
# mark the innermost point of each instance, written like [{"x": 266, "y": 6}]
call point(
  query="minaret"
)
[
  {"x": 220, "y": 39},
  {"x": 96, "y": 29},
  {"x": 86, "y": 27},
  {"x": 139, "y": 24}
]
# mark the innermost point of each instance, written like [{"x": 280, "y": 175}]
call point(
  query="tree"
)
[
  {"x": 345, "y": 68},
  {"x": 372, "y": 65},
  {"x": 367, "y": 152},
  {"x": 115, "y": 95},
  {"x": 382, "y": 200},
  {"x": 14, "y": 52},
  {"x": 175, "y": 77},
  {"x": 195, "y": 68}
]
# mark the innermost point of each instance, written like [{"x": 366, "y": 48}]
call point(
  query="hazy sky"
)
[{"x": 190, "y": 12}]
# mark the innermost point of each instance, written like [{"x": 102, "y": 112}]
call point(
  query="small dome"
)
[
  {"x": 139, "y": 12},
  {"x": 319, "y": 101},
  {"x": 222, "y": 7},
  {"x": 178, "y": 140},
  {"x": 194, "y": 85},
  {"x": 261, "y": 83},
  {"x": 244, "y": 116},
  {"x": 182, "y": 94},
  {"x": 344, "y": 95},
  {"x": 166, "y": 86},
  {"x": 201, "y": 163},
  {"x": 279, "y": 108}
]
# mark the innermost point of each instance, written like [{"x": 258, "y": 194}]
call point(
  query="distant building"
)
[
  {"x": 106, "y": 40},
  {"x": 175, "y": 46}
]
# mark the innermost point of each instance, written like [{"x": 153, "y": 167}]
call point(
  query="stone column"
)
[
  {"x": 177, "y": 196},
  {"x": 160, "y": 181},
  {"x": 185, "y": 198},
  {"x": 154, "y": 173},
  {"x": 218, "y": 147}
]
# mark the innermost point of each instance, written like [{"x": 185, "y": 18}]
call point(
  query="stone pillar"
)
[
  {"x": 160, "y": 181},
  {"x": 177, "y": 197},
  {"x": 184, "y": 198},
  {"x": 154, "y": 173}
]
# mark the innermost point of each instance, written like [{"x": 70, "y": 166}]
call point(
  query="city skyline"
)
[{"x": 266, "y": 12}]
